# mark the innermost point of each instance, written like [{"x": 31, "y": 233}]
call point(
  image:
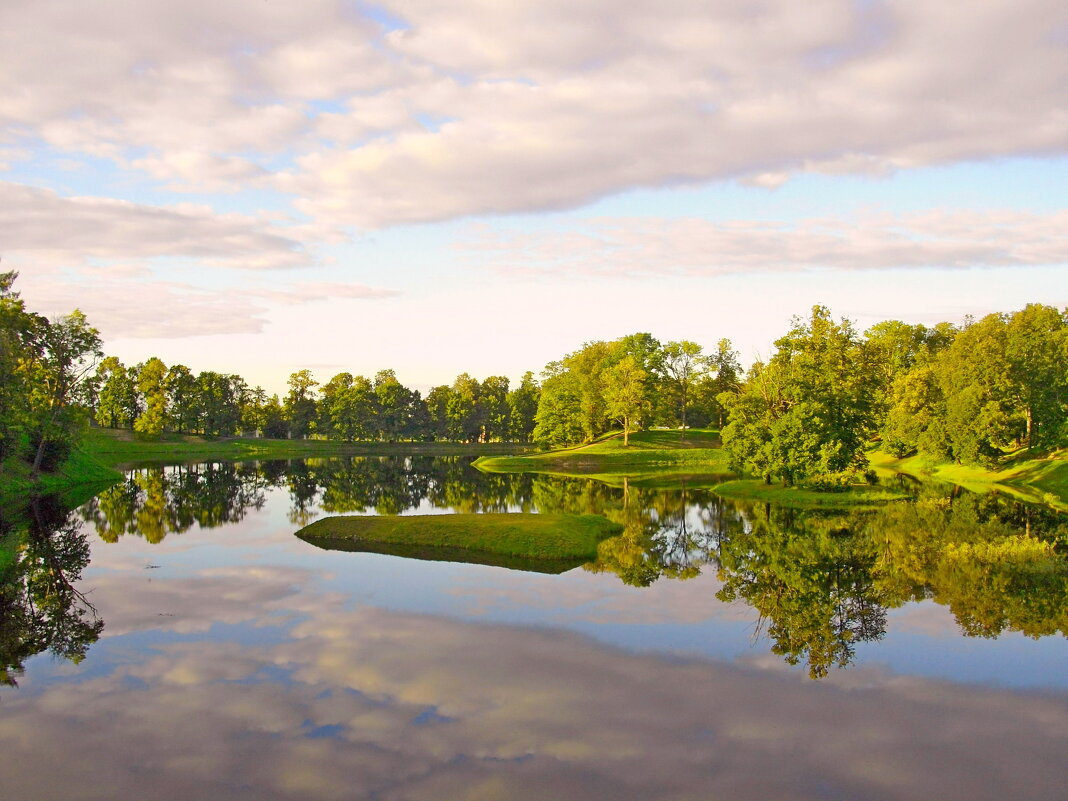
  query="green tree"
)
[
  {"x": 625, "y": 394},
  {"x": 523, "y": 408},
  {"x": 809, "y": 410},
  {"x": 69, "y": 352},
  {"x": 117, "y": 402},
  {"x": 462, "y": 410},
  {"x": 683, "y": 365},
  {"x": 300, "y": 403},
  {"x": 183, "y": 399},
  {"x": 727, "y": 377},
  {"x": 151, "y": 383},
  {"x": 437, "y": 411},
  {"x": 18, "y": 345},
  {"x": 495, "y": 412}
]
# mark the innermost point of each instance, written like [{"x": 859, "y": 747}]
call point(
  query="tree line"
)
[{"x": 970, "y": 393}]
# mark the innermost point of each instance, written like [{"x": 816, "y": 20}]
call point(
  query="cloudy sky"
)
[{"x": 257, "y": 186}]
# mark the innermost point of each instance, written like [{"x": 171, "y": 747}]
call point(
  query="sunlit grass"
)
[{"x": 484, "y": 538}]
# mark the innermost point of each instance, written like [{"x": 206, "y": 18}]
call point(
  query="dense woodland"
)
[{"x": 971, "y": 393}]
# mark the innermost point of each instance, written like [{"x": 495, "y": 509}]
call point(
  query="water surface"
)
[{"x": 715, "y": 649}]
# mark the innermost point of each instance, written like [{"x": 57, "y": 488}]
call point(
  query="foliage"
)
[{"x": 809, "y": 410}]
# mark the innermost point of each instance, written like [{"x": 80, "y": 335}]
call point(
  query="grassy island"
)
[{"x": 547, "y": 543}]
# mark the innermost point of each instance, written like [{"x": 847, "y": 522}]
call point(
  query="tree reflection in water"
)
[
  {"x": 821, "y": 582},
  {"x": 40, "y": 608}
]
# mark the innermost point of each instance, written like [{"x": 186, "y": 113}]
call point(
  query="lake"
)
[{"x": 172, "y": 639}]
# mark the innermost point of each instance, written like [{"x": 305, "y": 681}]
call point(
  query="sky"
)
[{"x": 258, "y": 187}]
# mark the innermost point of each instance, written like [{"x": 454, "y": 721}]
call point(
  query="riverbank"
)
[
  {"x": 663, "y": 458},
  {"x": 122, "y": 449},
  {"x": 650, "y": 453},
  {"x": 104, "y": 452},
  {"x": 1041, "y": 478}
]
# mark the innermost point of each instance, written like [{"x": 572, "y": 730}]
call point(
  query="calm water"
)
[{"x": 714, "y": 649}]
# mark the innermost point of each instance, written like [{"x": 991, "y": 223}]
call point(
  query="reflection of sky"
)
[
  {"x": 207, "y": 578},
  {"x": 366, "y": 703},
  {"x": 241, "y": 662}
]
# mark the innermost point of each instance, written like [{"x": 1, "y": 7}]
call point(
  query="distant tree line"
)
[
  {"x": 971, "y": 394},
  {"x": 151, "y": 398}
]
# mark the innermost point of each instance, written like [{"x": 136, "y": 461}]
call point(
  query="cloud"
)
[
  {"x": 370, "y": 703},
  {"x": 690, "y": 246},
  {"x": 172, "y": 310},
  {"x": 38, "y": 224},
  {"x": 496, "y": 108}
]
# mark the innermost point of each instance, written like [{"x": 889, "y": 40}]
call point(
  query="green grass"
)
[
  {"x": 650, "y": 453},
  {"x": 545, "y": 543},
  {"x": 1039, "y": 478},
  {"x": 121, "y": 448},
  {"x": 801, "y": 497}
]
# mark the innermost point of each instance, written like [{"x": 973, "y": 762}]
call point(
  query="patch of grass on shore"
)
[
  {"x": 120, "y": 448},
  {"x": 649, "y": 453},
  {"x": 544, "y": 542},
  {"x": 1039, "y": 478},
  {"x": 802, "y": 497}
]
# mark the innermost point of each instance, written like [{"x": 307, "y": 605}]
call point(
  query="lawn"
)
[{"x": 542, "y": 542}]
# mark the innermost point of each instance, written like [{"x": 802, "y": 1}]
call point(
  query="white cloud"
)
[
  {"x": 171, "y": 310},
  {"x": 644, "y": 246},
  {"x": 40, "y": 224},
  {"x": 504, "y": 107},
  {"x": 377, "y": 704}
]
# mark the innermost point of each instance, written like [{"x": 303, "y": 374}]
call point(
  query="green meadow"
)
[{"x": 542, "y": 542}]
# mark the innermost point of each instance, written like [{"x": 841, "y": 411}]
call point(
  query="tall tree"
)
[
  {"x": 18, "y": 344},
  {"x": 523, "y": 408},
  {"x": 117, "y": 401},
  {"x": 151, "y": 383},
  {"x": 625, "y": 394},
  {"x": 182, "y": 397},
  {"x": 683, "y": 365},
  {"x": 810, "y": 409},
  {"x": 493, "y": 398},
  {"x": 70, "y": 350},
  {"x": 300, "y": 403},
  {"x": 463, "y": 411}
]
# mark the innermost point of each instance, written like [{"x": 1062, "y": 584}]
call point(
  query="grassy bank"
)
[
  {"x": 121, "y": 448},
  {"x": 104, "y": 451},
  {"x": 802, "y": 497},
  {"x": 546, "y": 543},
  {"x": 650, "y": 454},
  {"x": 1039, "y": 478}
]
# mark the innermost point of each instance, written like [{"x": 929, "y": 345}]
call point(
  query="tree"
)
[
  {"x": 809, "y": 410},
  {"x": 437, "y": 411},
  {"x": 151, "y": 383},
  {"x": 1036, "y": 352},
  {"x": 348, "y": 407},
  {"x": 625, "y": 394},
  {"x": 18, "y": 345},
  {"x": 463, "y": 414},
  {"x": 493, "y": 398},
  {"x": 70, "y": 349},
  {"x": 396, "y": 406},
  {"x": 523, "y": 408},
  {"x": 300, "y": 403},
  {"x": 682, "y": 365},
  {"x": 183, "y": 398},
  {"x": 116, "y": 403},
  {"x": 727, "y": 372}
]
